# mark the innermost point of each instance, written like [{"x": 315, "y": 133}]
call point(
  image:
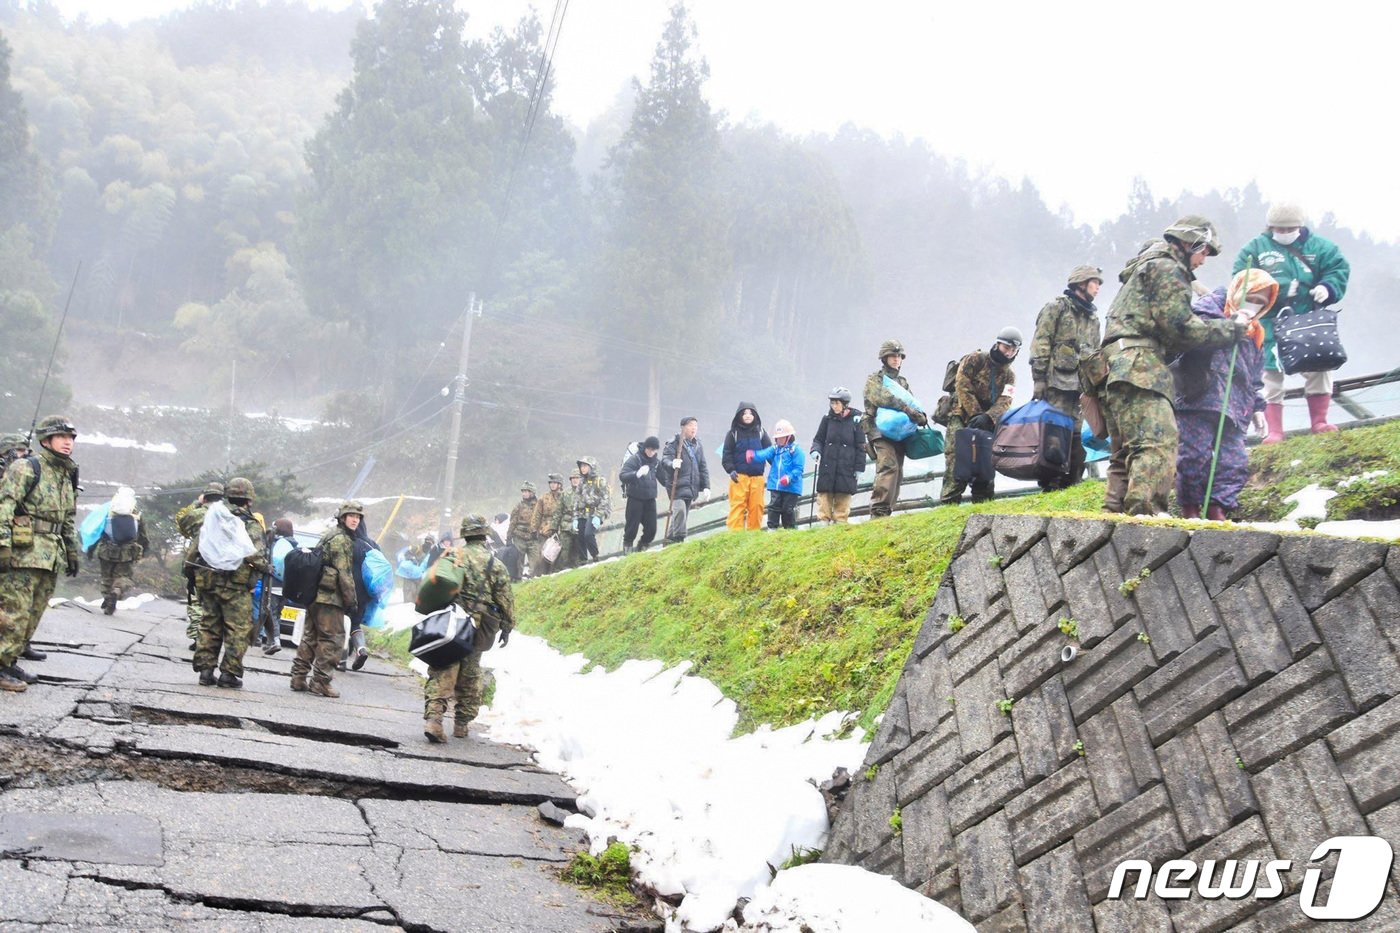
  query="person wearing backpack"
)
[
  {"x": 38, "y": 538},
  {"x": 1066, "y": 333},
  {"x": 486, "y": 595},
  {"x": 685, "y": 474},
  {"x": 592, "y": 507},
  {"x": 638, "y": 478},
  {"x": 122, "y": 544},
  {"x": 1311, "y": 272},
  {"x": 981, "y": 395},
  {"x": 524, "y": 530},
  {"x": 12, "y": 448},
  {"x": 745, "y": 435},
  {"x": 787, "y": 463},
  {"x": 838, "y": 448},
  {"x": 189, "y": 520},
  {"x": 323, "y": 638},
  {"x": 227, "y": 595},
  {"x": 888, "y": 454}
]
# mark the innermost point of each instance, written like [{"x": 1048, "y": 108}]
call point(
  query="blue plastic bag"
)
[
  {"x": 90, "y": 531},
  {"x": 1095, "y": 449},
  {"x": 894, "y": 425},
  {"x": 410, "y": 570},
  {"x": 374, "y": 615},
  {"x": 377, "y": 573}
]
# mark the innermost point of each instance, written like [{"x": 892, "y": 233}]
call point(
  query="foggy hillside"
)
[{"x": 287, "y": 210}]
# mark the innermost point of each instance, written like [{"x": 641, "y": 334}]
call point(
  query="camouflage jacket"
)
[
  {"x": 979, "y": 385},
  {"x": 524, "y": 521},
  {"x": 877, "y": 396},
  {"x": 107, "y": 549},
  {"x": 246, "y": 576},
  {"x": 337, "y": 584},
  {"x": 485, "y": 592},
  {"x": 1151, "y": 317},
  {"x": 1066, "y": 332},
  {"x": 188, "y": 521},
  {"x": 594, "y": 497},
  {"x": 50, "y": 502},
  {"x": 549, "y": 515}
]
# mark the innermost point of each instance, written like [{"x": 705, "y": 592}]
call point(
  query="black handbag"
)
[
  {"x": 1309, "y": 342},
  {"x": 972, "y": 462},
  {"x": 443, "y": 638}
]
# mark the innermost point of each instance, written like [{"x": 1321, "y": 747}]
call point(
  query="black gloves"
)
[
  {"x": 72, "y": 565},
  {"x": 982, "y": 422},
  {"x": 505, "y": 637}
]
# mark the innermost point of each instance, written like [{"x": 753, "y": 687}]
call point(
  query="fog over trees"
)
[{"x": 290, "y": 208}]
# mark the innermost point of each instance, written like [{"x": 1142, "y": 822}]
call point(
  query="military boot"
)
[
  {"x": 206, "y": 678},
  {"x": 459, "y": 728},
  {"x": 432, "y": 729},
  {"x": 30, "y": 653},
  {"x": 14, "y": 670},
  {"x": 12, "y": 684},
  {"x": 230, "y": 680},
  {"x": 319, "y": 689},
  {"x": 299, "y": 683},
  {"x": 109, "y": 604}
]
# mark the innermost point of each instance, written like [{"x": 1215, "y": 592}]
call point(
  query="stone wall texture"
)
[{"x": 1239, "y": 702}]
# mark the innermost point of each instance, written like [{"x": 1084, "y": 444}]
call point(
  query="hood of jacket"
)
[{"x": 738, "y": 425}]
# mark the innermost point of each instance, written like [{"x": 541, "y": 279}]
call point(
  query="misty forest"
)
[{"x": 276, "y": 218}]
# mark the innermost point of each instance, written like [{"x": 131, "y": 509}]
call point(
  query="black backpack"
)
[
  {"x": 301, "y": 575},
  {"x": 122, "y": 529}
]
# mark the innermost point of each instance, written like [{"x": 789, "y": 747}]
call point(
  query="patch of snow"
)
[
  {"x": 1361, "y": 529},
  {"x": 131, "y": 602},
  {"x": 333, "y": 500},
  {"x": 1309, "y": 502},
  {"x": 1271, "y": 526},
  {"x": 1351, "y": 480},
  {"x": 291, "y": 424},
  {"x": 1294, "y": 463},
  {"x": 102, "y": 440},
  {"x": 844, "y": 899}
]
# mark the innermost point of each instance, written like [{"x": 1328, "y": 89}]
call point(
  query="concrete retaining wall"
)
[{"x": 1239, "y": 702}]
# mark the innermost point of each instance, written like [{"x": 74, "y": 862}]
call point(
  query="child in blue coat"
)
[{"x": 786, "y": 463}]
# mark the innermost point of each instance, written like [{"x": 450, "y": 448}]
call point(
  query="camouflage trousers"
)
[
  {"x": 194, "y": 612},
  {"x": 460, "y": 682},
  {"x": 24, "y": 595},
  {"x": 529, "y": 553},
  {"x": 227, "y": 625},
  {"x": 116, "y": 577},
  {"x": 1142, "y": 469},
  {"x": 889, "y": 472},
  {"x": 568, "y": 552},
  {"x": 322, "y": 643}
]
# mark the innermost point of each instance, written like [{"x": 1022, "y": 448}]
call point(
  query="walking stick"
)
[{"x": 675, "y": 477}]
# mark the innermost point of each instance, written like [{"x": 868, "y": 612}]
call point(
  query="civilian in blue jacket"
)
[
  {"x": 787, "y": 462},
  {"x": 745, "y": 435}
]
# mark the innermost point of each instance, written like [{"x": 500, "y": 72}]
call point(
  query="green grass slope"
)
[{"x": 1331, "y": 460}]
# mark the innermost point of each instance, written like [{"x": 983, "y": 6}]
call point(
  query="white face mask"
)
[{"x": 1284, "y": 239}]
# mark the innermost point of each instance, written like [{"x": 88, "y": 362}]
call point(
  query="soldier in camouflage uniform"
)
[
  {"x": 188, "y": 520},
  {"x": 12, "y": 447},
  {"x": 549, "y": 522},
  {"x": 37, "y": 540},
  {"x": 592, "y": 508},
  {"x": 1066, "y": 333},
  {"x": 487, "y": 596},
  {"x": 570, "y": 508},
  {"x": 524, "y": 529},
  {"x": 1150, "y": 318},
  {"x": 118, "y": 560},
  {"x": 323, "y": 638},
  {"x": 887, "y": 454},
  {"x": 981, "y": 395},
  {"x": 226, "y": 597}
]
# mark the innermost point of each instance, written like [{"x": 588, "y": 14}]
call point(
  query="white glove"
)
[
  {"x": 816, "y": 455},
  {"x": 1319, "y": 293},
  {"x": 704, "y": 495},
  {"x": 643, "y": 471},
  {"x": 676, "y": 463},
  {"x": 1293, "y": 289}
]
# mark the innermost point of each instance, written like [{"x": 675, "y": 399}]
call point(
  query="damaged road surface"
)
[{"x": 132, "y": 798}]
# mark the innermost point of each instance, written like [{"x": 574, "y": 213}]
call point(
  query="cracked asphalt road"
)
[{"x": 134, "y": 799}]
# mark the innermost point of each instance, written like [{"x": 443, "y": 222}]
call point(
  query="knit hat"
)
[
  {"x": 651, "y": 443},
  {"x": 1285, "y": 214}
]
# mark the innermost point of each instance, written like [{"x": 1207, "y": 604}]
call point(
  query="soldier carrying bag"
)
[{"x": 301, "y": 574}]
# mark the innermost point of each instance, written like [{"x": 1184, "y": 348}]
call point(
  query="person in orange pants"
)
[{"x": 745, "y": 479}]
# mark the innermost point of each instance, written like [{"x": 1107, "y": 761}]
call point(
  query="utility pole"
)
[{"x": 459, "y": 401}]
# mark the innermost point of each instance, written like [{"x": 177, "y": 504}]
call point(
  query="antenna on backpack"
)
[{"x": 34, "y": 422}]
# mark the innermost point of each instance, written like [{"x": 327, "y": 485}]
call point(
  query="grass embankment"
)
[{"x": 1330, "y": 460}]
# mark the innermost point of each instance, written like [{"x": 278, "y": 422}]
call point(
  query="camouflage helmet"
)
[
  {"x": 841, "y": 394},
  {"x": 239, "y": 487},
  {"x": 557, "y": 478},
  {"x": 1010, "y": 335},
  {"x": 54, "y": 425},
  {"x": 215, "y": 488},
  {"x": 891, "y": 348},
  {"x": 1194, "y": 232},
  {"x": 592, "y": 464},
  {"x": 527, "y": 486},
  {"x": 1081, "y": 274},
  {"x": 575, "y": 475},
  {"x": 10, "y": 442},
  {"x": 350, "y": 507},
  {"x": 474, "y": 526}
]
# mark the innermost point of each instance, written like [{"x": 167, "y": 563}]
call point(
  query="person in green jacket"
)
[
  {"x": 982, "y": 393},
  {"x": 888, "y": 454},
  {"x": 1066, "y": 332},
  {"x": 323, "y": 638},
  {"x": 1311, "y": 272}
]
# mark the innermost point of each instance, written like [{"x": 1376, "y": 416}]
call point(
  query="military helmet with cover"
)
[
  {"x": 11, "y": 442},
  {"x": 240, "y": 487},
  {"x": 1086, "y": 273},
  {"x": 557, "y": 478},
  {"x": 54, "y": 425},
  {"x": 1194, "y": 232},
  {"x": 474, "y": 526},
  {"x": 214, "y": 488},
  {"x": 527, "y": 485},
  {"x": 891, "y": 348},
  {"x": 350, "y": 507}
]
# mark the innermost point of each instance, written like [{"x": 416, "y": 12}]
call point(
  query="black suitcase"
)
[{"x": 973, "y": 461}]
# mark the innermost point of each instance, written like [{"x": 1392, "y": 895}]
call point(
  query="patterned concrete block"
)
[
  {"x": 1304, "y": 800},
  {"x": 1033, "y": 658},
  {"x": 1105, "y": 672},
  {"x": 984, "y": 784},
  {"x": 1385, "y": 823},
  {"x": 1033, "y": 587},
  {"x": 978, "y": 526},
  {"x": 1197, "y": 914},
  {"x": 980, "y": 724},
  {"x": 1172, "y": 603},
  {"x": 979, "y": 586},
  {"x": 987, "y": 872},
  {"x": 1322, "y": 567},
  {"x": 1013, "y": 535},
  {"x": 893, "y": 735},
  {"x": 1092, "y": 598},
  {"x": 1210, "y": 791},
  {"x": 979, "y": 642},
  {"x": 1045, "y": 815},
  {"x": 1367, "y": 752},
  {"x": 927, "y": 685},
  {"x": 1224, "y": 557},
  {"x": 1007, "y": 920},
  {"x": 1198, "y": 681},
  {"x": 873, "y": 805},
  {"x": 928, "y": 840},
  {"x": 1121, "y": 761},
  {"x": 841, "y": 841},
  {"x": 927, "y": 762},
  {"x": 1072, "y": 540},
  {"x": 1287, "y": 711},
  {"x": 1144, "y": 828},
  {"x": 1132, "y": 916},
  {"x": 1055, "y": 897},
  {"x": 1044, "y": 730},
  {"x": 1266, "y": 621},
  {"x": 1359, "y": 628},
  {"x": 1147, "y": 546},
  {"x": 945, "y": 888},
  {"x": 935, "y": 628}
]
